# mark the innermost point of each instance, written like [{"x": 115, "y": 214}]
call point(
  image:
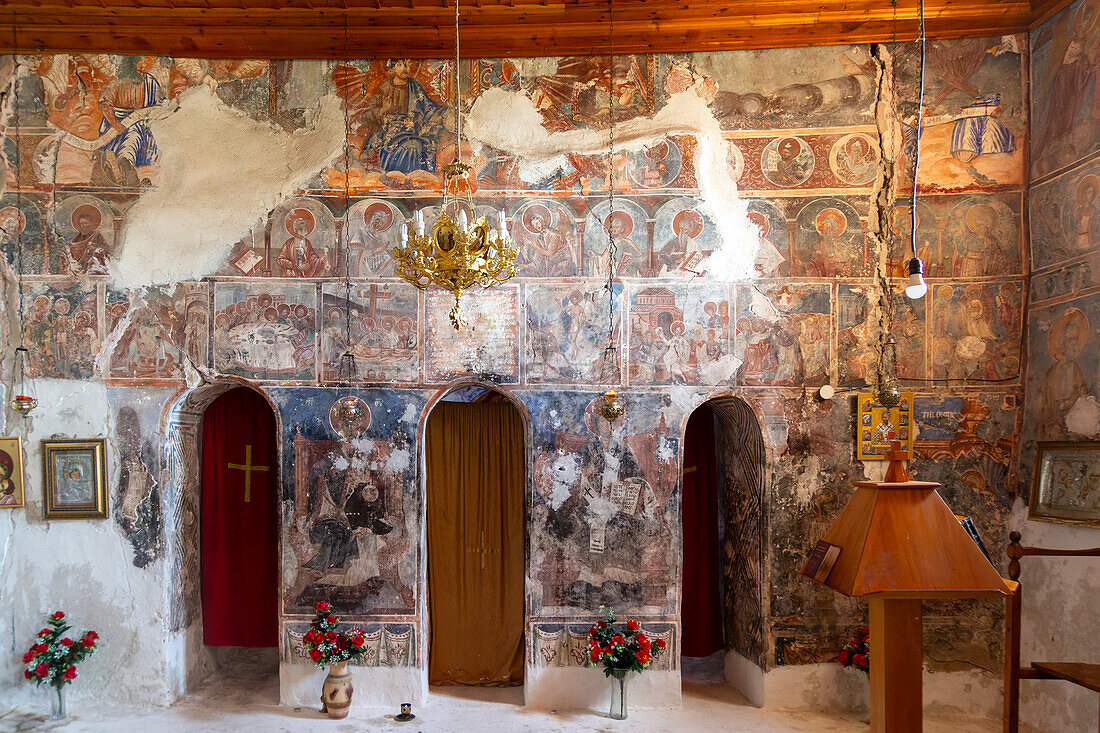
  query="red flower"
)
[
  {"x": 66, "y": 641},
  {"x": 616, "y": 639},
  {"x": 642, "y": 641},
  {"x": 592, "y": 630},
  {"x": 42, "y": 670},
  {"x": 642, "y": 656},
  {"x": 864, "y": 632},
  {"x": 27, "y": 674},
  {"x": 843, "y": 657},
  {"x": 331, "y": 619},
  {"x": 88, "y": 642},
  {"x": 58, "y": 616},
  {"x": 601, "y": 623},
  {"x": 860, "y": 660},
  {"x": 330, "y": 636},
  {"x": 632, "y": 625},
  {"x": 44, "y": 632},
  {"x": 93, "y": 635},
  {"x": 314, "y": 654},
  {"x": 659, "y": 643},
  {"x": 28, "y": 657},
  {"x": 323, "y": 606},
  {"x": 40, "y": 649},
  {"x": 594, "y": 655},
  {"x": 70, "y": 673}
]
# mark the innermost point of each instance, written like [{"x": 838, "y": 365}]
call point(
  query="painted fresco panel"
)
[
  {"x": 684, "y": 235},
  {"x": 605, "y": 499},
  {"x": 829, "y": 241},
  {"x": 546, "y": 238},
  {"x": 773, "y": 257},
  {"x": 1063, "y": 351},
  {"x": 385, "y": 339},
  {"x": 488, "y": 346},
  {"x": 374, "y": 229},
  {"x": 680, "y": 335},
  {"x": 783, "y": 333},
  {"x": 975, "y": 330},
  {"x": 627, "y": 223},
  {"x": 1065, "y": 216},
  {"x": 303, "y": 239},
  {"x": 1066, "y": 108},
  {"x": 857, "y": 354},
  {"x": 975, "y": 123},
  {"x": 909, "y": 327},
  {"x": 354, "y": 514},
  {"x": 960, "y": 237},
  {"x": 21, "y": 234},
  {"x": 62, "y": 330},
  {"x": 160, "y": 331},
  {"x": 567, "y": 334},
  {"x": 265, "y": 330}
]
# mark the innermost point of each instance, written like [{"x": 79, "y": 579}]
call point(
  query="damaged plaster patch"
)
[
  {"x": 509, "y": 121},
  {"x": 1084, "y": 417},
  {"x": 183, "y": 229}
]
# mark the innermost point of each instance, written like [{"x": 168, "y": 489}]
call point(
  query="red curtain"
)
[
  {"x": 701, "y": 611},
  {"x": 240, "y": 539}
]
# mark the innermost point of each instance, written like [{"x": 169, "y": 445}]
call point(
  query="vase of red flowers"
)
[
  {"x": 855, "y": 653},
  {"x": 621, "y": 649},
  {"x": 53, "y": 657},
  {"x": 330, "y": 648}
]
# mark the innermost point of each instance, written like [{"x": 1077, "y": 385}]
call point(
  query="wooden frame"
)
[
  {"x": 12, "y": 490},
  {"x": 1014, "y": 671},
  {"x": 1081, "y": 477},
  {"x": 75, "y": 478}
]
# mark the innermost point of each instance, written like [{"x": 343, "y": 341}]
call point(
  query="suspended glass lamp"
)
[{"x": 24, "y": 395}]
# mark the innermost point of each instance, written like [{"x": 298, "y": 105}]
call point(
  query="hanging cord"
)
[
  {"x": 458, "y": 93},
  {"x": 348, "y": 357},
  {"x": 612, "y": 249},
  {"x": 18, "y": 193},
  {"x": 916, "y": 146}
]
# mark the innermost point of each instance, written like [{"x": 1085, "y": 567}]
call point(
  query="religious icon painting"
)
[
  {"x": 76, "y": 478},
  {"x": 886, "y": 424},
  {"x": 1067, "y": 483},
  {"x": 11, "y": 473}
]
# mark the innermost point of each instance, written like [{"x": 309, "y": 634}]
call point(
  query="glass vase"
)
[
  {"x": 618, "y": 694},
  {"x": 57, "y": 703}
]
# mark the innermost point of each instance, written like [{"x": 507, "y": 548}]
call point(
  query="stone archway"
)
[
  {"x": 742, "y": 482},
  {"x": 190, "y": 662}
]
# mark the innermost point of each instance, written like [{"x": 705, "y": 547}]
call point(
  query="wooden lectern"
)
[{"x": 898, "y": 543}]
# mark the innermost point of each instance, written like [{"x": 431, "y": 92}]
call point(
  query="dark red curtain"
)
[
  {"x": 240, "y": 539},
  {"x": 701, "y": 611}
]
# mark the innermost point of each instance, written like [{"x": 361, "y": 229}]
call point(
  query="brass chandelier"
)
[{"x": 456, "y": 254}]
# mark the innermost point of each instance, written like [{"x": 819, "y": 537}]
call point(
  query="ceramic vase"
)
[
  {"x": 618, "y": 694},
  {"x": 336, "y": 691}
]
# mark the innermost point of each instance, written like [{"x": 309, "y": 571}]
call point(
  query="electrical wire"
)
[
  {"x": 612, "y": 248},
  {"x": 919, "y": 129}
]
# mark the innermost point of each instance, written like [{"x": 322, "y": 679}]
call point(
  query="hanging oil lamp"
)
[
  {"x": 610, "y": 407},
  {"x": 24, "y": 398}
]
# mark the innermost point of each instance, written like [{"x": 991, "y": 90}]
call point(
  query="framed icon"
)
[
  {"x": 11, "y": 473},
  {"x": 76, "y": 478}
]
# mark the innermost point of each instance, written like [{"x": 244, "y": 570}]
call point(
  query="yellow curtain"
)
[{"x": 476, "y": 543}]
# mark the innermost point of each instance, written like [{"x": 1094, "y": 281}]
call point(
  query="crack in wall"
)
[{"x": 883, "y": 198}]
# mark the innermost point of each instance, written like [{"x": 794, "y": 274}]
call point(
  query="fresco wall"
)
[
  {"x": 826, "y": 179},
  {"x": 1063, "y": 314}
]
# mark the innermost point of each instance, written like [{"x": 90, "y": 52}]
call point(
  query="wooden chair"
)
[{"x": 1086, "y": 675}]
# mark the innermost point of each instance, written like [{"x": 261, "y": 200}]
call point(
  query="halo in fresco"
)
[
  {"x": 655, "y": 166},
  {"x": 787, "y": 161},
  {"x": 374, "y": 229},
  {"x": 854, "y": 159}
]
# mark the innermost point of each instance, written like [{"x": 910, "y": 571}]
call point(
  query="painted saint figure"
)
[
  {"x": 298, "y": 258},
  {"x": 86, "y": 253}
]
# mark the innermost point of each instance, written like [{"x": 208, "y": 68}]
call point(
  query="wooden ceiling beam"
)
[{"x": 495, "y": 28}]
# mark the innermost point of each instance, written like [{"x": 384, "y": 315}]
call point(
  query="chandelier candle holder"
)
[
  {"x": 456, "y": 254},
  {"x": 24, "y": 399}
]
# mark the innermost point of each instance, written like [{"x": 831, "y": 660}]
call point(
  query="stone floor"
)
[{"x": 252, "y": 706}]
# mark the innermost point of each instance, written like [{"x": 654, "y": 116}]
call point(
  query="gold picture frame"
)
[
  {"x": 1067, "y": 483},
  {"x": 877, "y": 425},
  {"x": 76, "y": 478},
  {"x": 12, "y": 494}
]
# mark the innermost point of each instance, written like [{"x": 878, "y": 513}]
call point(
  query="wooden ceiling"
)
[{"x": 490, "y": 28}]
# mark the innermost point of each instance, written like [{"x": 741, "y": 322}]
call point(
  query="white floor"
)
[{"x": 220, "y": 706}]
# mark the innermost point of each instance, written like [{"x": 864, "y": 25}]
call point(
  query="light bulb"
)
[
  {"x": 404, "y": 235},
  {"x": 462, "y": 221},
  {"x": 418, "y": 222},
  {"x": 502, "y": 225},
  {"x": 917, "y": 287}
]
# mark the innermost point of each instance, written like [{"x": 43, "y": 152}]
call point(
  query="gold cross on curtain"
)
[{"x": 476, "y": 480}]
